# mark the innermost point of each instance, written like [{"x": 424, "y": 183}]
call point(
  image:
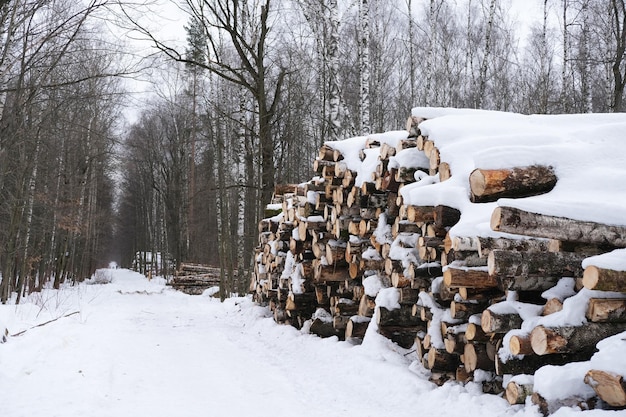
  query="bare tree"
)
[
  {"x": 54, "y": 189},
  {"x": 252, "y": 70}
]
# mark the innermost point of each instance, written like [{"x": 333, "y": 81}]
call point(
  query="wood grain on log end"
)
[
  {"x": 610, "y": 387},
  {"x": 517, "y": 393},
  {"x": 520, "y": 345},
  {"x": 596, "y": 278},
  {"x": 496, "y": 219}
]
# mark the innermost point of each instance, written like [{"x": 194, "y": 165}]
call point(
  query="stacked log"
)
[
  {"x": 194, "y": 279},
  {"x": 458, "y": 295}
]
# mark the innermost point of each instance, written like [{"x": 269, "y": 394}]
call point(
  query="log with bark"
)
[
  {"x": 516, "y": 393},
  {"x": 418, "y": 214},
  {"x": 548, "y": 340},
  {"x": 533, "y": 271},
  {"x": 446, "y": 216},
  {"x": 492, "y": 322},
  {"x": 440, "y": 360},
  {"x": 468, "y": 278},
  {"x": 475, "y": 356},
  {"x": 519, "y": 344},
  {"x": 402, "y": 335},
  {"x": 402, "y": 316},
  {"x": 463, "y": 310},
  {"x": 602, "y": 279},
  {"x": 356, "y": 327},
  {"x": 475, "y": 333},
  {"x": 607, "y": 310},
  {"x": 487, "y": 244},
  {"x": 553, "y": 305},
  {"x": 324, "y": 329},
  {"x": 521, "y": 222},
  {"x": 491, "y": 184},
  {"x": 412, "y": 128},
  {"x": 367, "y": 305},
  {"x": 329, "y": 273}
]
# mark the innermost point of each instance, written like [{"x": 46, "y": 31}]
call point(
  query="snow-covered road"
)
[{"x": 137, "y": 348}]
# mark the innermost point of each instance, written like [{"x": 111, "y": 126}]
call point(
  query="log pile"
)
[
  {"x": 194, "y": 279},
  {"x": 463, "y": 300}
]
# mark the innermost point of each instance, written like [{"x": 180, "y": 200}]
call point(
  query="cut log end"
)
[
  {"x": 477, "y": 182},
  {"x": 496, "y": 219},
  {"x": 520, "y": 345},
  {"x": 517, "y": 393},
  {"x": 591, "y": 276},
  {"x": 539, "y": 340},
  {"x": 610, "y": 387}
]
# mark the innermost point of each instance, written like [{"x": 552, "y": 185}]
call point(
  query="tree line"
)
[
  {"x": 244, "y": 103},
  {"x": 60, "y": 103}
]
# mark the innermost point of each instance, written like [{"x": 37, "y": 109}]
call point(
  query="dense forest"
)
[{"x": 242, "y": 103}]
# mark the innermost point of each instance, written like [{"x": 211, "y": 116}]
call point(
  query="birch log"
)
[
  {"x": 491, "y": 184},
  {"x": 521, "y": 222}
]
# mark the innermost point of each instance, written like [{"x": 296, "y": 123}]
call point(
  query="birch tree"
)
[
  {"x": 334, "y": 100},
  {"x": 482, "y": 77},
  {"x": 364, "y": 67},
  {"x": 618, "y": 66}
]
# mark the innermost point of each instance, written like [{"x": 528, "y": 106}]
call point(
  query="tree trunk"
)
[
  {"x": 364, "y": 66},
  {"x": 619, "y": 31},
  {"x": 482, "y": 86}
]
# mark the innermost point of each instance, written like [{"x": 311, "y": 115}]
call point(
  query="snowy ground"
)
[{"x": 137, "y": 348}]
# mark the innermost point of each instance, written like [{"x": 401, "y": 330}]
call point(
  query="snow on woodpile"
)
[
  {"x": 587, "y": 153},
  {"x": 499, "y": 237}
]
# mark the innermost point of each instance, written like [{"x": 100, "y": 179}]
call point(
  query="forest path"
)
[{"x": 141, "y": 349}]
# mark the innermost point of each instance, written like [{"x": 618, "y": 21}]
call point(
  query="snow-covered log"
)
[{"x": 610, "y": 387}]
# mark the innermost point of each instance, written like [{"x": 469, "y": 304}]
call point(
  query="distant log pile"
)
[
  {"x": 458, "y": 294},
  {"x": 195, "y": 278}
]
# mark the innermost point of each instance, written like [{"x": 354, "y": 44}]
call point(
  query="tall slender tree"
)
[{"x": 364, "y": 67}]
